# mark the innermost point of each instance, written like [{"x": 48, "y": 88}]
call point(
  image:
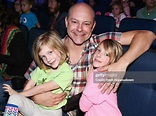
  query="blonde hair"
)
[
  {"x": 53, "y": 40},
  {"x": 113, "y": 49}
]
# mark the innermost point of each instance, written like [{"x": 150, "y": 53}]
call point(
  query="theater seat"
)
[
  {"x": 128, "y": 24},
  {"x": 33, "y": 34},
  {"x": 138, "y": 98},
  {"x": 104, "y": 24}
]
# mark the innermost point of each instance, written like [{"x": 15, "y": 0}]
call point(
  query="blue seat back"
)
[
  {"x": 139, "y": 99},
  {"x": 33, "y": 34},
  {"x": 104, "y": 24},
  {"x": 128, "y": 24},
  {"x": 25, "y": 32}
]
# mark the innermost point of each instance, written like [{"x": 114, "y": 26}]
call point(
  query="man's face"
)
[
  {"x": 80, "y": 24},
  {"x": 53, "y": 6},
  {"x": 150, "y": 3}
]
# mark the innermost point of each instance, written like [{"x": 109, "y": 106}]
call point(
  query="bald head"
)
[{"x": 81, "y": 8}]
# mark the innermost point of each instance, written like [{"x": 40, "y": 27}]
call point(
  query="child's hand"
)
[{"x": 8, "y": 89}]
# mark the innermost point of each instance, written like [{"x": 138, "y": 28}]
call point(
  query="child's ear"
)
[{"x": 30, "y": 6}]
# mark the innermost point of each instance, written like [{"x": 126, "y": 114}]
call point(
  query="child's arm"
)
[
  {"x": 85, "y": 104},
  {"x": 8, "y": 89},
  {"x": 30, "y": 84},
  {"x": 11, "y": 91},
  {"x": 38, "y": 25},
  {"x": 91, "y": 95},
  {"x": 51, "y": 85}
]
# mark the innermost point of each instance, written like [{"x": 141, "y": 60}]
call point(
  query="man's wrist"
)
[{"x": 124, "y": 63}]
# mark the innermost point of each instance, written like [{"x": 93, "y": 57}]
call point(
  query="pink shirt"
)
[{"x": 94, "y": 103}]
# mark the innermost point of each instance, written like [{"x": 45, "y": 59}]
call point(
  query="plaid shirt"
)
[{"x": 82, "y": 66}]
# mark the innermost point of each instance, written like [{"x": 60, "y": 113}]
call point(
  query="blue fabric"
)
[
  {"x": 30, "y": 20},
  {"x": 80, "y": 1},
  {"x": 139, "y": 99},
  {"x": 64, "y": 114},
  {"x": 104, "y": 24}
]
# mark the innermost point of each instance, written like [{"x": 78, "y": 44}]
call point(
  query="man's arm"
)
[{"x": 139, "y": 41}]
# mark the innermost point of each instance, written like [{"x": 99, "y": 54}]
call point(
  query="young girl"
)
[
  {"x": 117, "y": 12},
  {"x": 52, "y": 74},
  {"x": 92, "y": 101}
]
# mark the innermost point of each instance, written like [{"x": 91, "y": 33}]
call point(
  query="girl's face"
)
[
  {"x": 116, "y": 10},
  {"x": 50, "y": 57},
  {"x": 25, "y": 6},
  {"x": 18, "y": 7},
  {"x": 100, "y": 57}
]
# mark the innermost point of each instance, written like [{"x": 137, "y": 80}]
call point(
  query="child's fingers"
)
[{"x": 6, "y": 85}]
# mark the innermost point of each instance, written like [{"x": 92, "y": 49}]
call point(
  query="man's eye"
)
[{"x": 73, "y": 21}]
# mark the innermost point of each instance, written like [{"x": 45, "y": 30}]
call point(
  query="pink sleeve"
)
[
  {"x": 84, "y": 103},
  {"x": 91, "y": 95}
]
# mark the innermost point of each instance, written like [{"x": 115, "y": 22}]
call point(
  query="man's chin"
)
[{"x": 79, "y": 43}]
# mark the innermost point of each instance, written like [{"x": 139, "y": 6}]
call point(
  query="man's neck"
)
[
  {"x": 71, "y": 45},
  {"x": 56, "y": 14},
  {"x": 150, "y": 9}
]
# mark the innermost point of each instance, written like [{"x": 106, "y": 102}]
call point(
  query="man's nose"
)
[{"x": 79, "y": 27}]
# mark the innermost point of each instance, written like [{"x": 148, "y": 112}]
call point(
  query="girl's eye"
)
[
  {"x": 98, "y": 50},
  {"x": 106, "y": 54},
  {"x": 42, "y": 57},
  {"x": 50, "y": 52}
]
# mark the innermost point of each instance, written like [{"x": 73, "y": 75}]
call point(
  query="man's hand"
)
[
  {"x": 48, "y": 99},
  {"x": 118, "y": 70}
]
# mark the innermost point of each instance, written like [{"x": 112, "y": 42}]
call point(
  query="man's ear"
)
[
  {"x": 93, "y": 25},
  {"x": 66, "y": 21}
]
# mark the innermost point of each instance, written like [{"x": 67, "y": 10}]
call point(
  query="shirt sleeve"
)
[
  {"x": 92, "y": 95},
  {"x": 35, "y": 74},
  {"x": 88, "y": 96},
  {"x": 109, "y": 35},
  {"x": 85, "y": 104},
  {"x": 35, "y": 20},
  {"x": 32, "y": 67},
  {"x": 64, "y": 78}
]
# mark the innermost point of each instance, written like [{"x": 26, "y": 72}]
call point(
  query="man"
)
[
  {"x": 58, "y": 10},
  {"x": 81, "y": 44},
  {"x": 149, "y": 11}
]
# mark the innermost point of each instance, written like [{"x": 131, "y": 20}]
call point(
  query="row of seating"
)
[
  {"x": 103, "y": 24},
  {"x": 107, "y": 24}
]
